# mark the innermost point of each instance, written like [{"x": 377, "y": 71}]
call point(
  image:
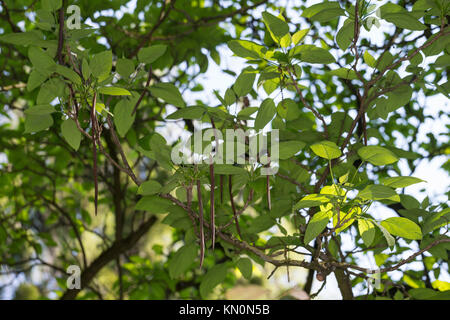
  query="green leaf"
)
[
  {"x": 68, "y": 73},
  {"x": 436, "y": 220},
  {"x": 35, "y": 123},
  {"x": 378, "y": 192},
  {"x": 261, "y": 223},
  {"x": 323, "y": 12},
  {"x": 247, "y": 49},
  {"x": 247, "y": 112},
  {"x": 288, "y": 149},
  {"x": 152, "y": 53},
  {"x": 40, "y": 59},
  {"x": 85, "y": 69},
  {"x": 312, "y": 200},
  {"x": 369, "y": 59},
  {"x": 345, "y": 35},
  {"x": 443, "y": 61},
  {"x": 429, "y": 294},
  {"x": 123, "y": 117},
  {"x": 215, "y": 56},
  {"x": 441, "y": 286},
  {"x": 400, "y": 182},
  {"x": 51, "y": 5},
  {"x": 213, "y": 277},
  {"x": 326, "y": 149},
  {"x": 182, "y": 260},
  {"x": 404, "y": 20},
  {"x": 245, "y": 267},
  {"x": 153, "y": 204},
  {"x": 278, "y": 27},
  {"x": 385, "y": 60},
  {"x": 402, "y": 227},
  {"x": 377, "y": 155},
  {"x": 437, "y": 46},
  {"x": 244, "y": 83},
  {"x": 125, "y": 67},
  {"x": 40, "y": 109},
  {"x": 367, "y": 231},
  {"x": 389, "y": 239},
  {"x": 22, "y": 38},
  {"x": 169, "y": 93},
  {"x": 50, "y": 90},
  {"x": 101, "y": 64},
  {"x": 194, "y": 112},
  {"x": 71, "y": 133},
  {"x": 345, "y": 220},
  {"x": 149, "y": 188},
  {"x": 344, "y": 73},
  {"x": 160, "y": 151},
  {"x": 35, "y": 79},
  {"x": 230, "y": 97},
  {"x": 299, "y": 36},
  {"x": 285, "y": 41},
  {"x": 409, "y": 202},
  {"x": 316, "y": 225},
  {"x": 114, "y": 91},
  {"x": 266, "y": 112},
  {"x": 288, "y": 109},
  {"x": 312, "y": 54}
]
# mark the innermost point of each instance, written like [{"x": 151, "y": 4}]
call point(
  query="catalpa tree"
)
[{"x": 300, "y": 164}]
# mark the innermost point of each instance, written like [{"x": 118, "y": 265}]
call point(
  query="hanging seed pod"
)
[
  {"x": 230, "y": 188},
  {"x": 213, "y": 186},
  {"x": 320, "y": 276},
  {"x": 189, "y": 206},
  {"x": 269, "y": 202},
  {"x": 94, "y": 149},
  {"x": 246, "y": 102},
  {"x": 202, "y": 233},
  {"x": 211, "y": 206},
  {"x": 221, "y": 188}
]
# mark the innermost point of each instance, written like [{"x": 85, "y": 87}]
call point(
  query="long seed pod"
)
[
  {"x": 202, "y": 233},
  {"x": 189, "y": 205},
  {"x": 230, "y": 188},
  {"x": 94, "y": 149},
  {"x": 213, "y": 186},
  {"x": 221, "y": 188},
  {"x": 269, "y": 202},
  {"x": 211, "y": 206}
]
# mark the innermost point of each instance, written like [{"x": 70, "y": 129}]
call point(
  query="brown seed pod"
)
[
  {"x": 233, "y": 207},
  {"x": 246, "y": 102},
  {"x": 94, "y": 149},
  {"x": 269, "y": 202},
  {"x": 202, "y": 233},
  {"x": 320, "y": 277},
  {"x": 221, "y": 188},
  {"x": 211, "y": 205}
]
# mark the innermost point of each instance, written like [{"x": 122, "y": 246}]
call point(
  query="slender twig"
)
[
  {"x": 395, "y": 267},
  {"x": 306, "y": 104},
  {"x": 163, "y": 14},
  {"x": 121, "y": 152},
  {"x": 202, "y": 233},
  {"x": 147, "y": 83},
  {"x": 233, "y": 207}
]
